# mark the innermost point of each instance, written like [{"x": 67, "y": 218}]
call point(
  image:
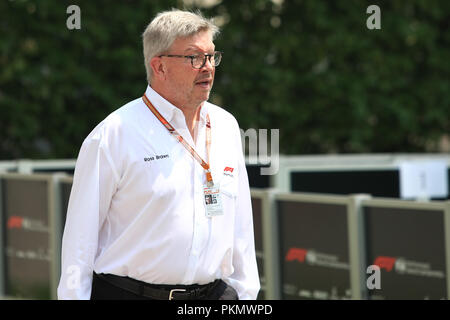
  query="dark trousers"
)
[{"x": 104, "y": 290}]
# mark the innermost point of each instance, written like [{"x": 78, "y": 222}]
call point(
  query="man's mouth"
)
[{"x": 204, "y": 83}]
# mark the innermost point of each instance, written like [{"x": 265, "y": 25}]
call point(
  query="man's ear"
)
[{"x": 158, "y": 68}]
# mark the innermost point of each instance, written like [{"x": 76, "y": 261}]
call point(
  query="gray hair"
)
[{"x": 166, "y": 27}]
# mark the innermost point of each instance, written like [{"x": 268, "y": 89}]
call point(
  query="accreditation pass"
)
[{"x": 213, "y": 202}]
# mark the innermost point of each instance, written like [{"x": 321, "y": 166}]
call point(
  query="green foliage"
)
[
  {"x": 313, "y": 69},
  {"x": 310, "y": 68}
]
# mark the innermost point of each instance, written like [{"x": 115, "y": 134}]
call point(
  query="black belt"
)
[{"x": 159, "y": 292}]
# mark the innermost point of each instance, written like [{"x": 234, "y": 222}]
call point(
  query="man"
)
[{"x": 138, "y": 224}]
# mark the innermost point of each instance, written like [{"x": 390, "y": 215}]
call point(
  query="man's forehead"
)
[
  {"x": 199, "y": 48},
  {"x": 201, "y": 41}
]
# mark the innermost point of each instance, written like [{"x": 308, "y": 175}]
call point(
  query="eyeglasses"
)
[{"x": 198, "y": 61}]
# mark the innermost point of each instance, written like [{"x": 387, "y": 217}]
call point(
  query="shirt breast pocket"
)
[
  {"x": 226, "y": 173},
  {"x": 229, "y": 193},
  {"x": 229, "y": 186}
]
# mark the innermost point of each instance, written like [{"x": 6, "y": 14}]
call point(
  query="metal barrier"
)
[
  {"x": 265, "y": 229},
  {"x": 318, "y": 245},
  {"x": 309, "y": 246},
  {"x": 381, "y": 175},
  {"x": 8, "y": 166},
  {"x": 31, "y": 233},
  {"x": 410, "y": 242},
  {"x": 378, "y": 175}
]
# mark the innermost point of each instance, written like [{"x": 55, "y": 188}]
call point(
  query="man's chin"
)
[
  {"x": 199, "y": 97},
  {"x": 204, "y": 97}
]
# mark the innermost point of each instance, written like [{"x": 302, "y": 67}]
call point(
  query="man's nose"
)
[{"x": 208, "y": 64}]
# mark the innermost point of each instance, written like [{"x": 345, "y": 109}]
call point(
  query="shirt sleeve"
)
[
  {"x": 245, "y": 278},
  {"x": 94, "y": 184}
]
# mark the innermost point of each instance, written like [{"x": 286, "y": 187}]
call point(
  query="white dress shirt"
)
[{"x": 137, "y": 207}]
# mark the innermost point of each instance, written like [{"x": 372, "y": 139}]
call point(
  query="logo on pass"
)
[{"x": 228, "y": 171}]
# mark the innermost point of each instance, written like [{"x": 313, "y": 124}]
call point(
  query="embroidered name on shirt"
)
[{"x": 157, "y": 157}]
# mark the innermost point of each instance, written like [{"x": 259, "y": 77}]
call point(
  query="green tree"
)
[
  {"x": 313, "y": 69},
  {"x": 309, "y": 68}
]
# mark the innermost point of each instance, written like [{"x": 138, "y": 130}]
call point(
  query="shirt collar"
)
[
  {"x": 203, "y": 112},
  {"x": 163, "y": 106},
  {"x": 167, "y": 109}
]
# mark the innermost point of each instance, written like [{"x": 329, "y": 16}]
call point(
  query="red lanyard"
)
[{"x": 180, "y": 138}]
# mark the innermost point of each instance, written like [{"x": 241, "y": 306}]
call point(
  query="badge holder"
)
[{"x": 213, "y": 201}]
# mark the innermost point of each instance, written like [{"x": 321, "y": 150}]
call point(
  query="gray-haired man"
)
[{"x": 151, "y": 213}]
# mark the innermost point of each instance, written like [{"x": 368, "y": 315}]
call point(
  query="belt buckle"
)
[{"x": 174, "y": 290}]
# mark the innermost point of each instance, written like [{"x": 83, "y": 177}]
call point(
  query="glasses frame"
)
[{"x": 192, "y": 57}]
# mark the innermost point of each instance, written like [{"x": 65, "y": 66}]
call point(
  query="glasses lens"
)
[
  {"x": 198, "y": 61},
  {"x": 216, "y": 58}
]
